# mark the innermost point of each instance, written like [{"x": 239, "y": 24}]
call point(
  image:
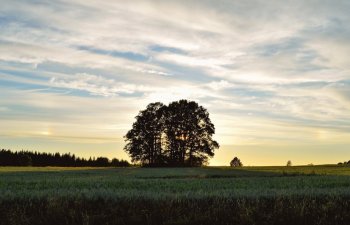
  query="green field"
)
[{"x": 211, "y": 195}]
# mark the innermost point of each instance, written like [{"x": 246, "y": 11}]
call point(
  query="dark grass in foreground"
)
[{"x": 214, "y": 195}]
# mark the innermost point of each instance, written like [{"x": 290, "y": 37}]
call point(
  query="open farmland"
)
[{"x": 212, "y": 195}]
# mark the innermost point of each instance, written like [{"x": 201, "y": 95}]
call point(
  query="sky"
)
[{"x": 274, "y": 75}]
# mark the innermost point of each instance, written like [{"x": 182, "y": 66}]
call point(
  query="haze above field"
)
[{"x": 273, "y": 75}]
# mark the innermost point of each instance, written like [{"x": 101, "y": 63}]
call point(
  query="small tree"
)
[
  {"x": 236, "y": 162},
  {"x": 289, "y": 163}
]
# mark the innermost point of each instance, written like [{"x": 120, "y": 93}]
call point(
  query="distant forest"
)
[{"x": 28, "y": 158}]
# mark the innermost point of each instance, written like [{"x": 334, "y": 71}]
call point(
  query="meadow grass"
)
[{"x": 209, "y": 195}]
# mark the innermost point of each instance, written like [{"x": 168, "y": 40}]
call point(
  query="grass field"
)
[{"x": 212, "y": 195}]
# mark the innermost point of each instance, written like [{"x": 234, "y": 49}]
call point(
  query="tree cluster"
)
[
  {"x": 236, "y": 162},
  {"x": 27, "y": 158},
  {"x": 178, "y": 134},
  {"x": 346, "y": 163}
]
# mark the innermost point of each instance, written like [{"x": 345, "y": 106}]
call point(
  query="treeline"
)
[
  {"x": 28, "y": 158},
  {"x": 346, "y": 163}
]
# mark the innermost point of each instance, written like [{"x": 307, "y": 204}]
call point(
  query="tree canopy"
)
[
  {"x": 179, "y": 134},
  {"x": 236, "y": 162}
]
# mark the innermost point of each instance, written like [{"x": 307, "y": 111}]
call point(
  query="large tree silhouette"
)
[
  {"x": 144, "y": 139},
  {"x": 178, "y": 135}
]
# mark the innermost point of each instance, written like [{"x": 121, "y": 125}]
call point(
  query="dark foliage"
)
[
  {"x": 27, "y": 158},
  {"x": 346, "y": 163},
  {"x": 236, "y": 162},
  {"x": 179, "y": 134},
  {"x": 139, "y": 211}
]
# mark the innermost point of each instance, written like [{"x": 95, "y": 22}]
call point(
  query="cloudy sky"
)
[{"x": 274, "y": 75}]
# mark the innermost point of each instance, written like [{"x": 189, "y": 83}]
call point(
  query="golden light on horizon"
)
[
  {"x": 46, "y": 133},
  {"x": 45, "y": 130}
]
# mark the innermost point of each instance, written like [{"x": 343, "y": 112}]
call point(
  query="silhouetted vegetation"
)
[
  {"x": 179, "y": 134},
  {"x": 236, "y": 162},
  {"x": 27, "y": 158},
  {"x": 346, "y": 163}
]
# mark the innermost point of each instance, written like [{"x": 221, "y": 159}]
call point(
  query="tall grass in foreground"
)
[{"x": 260, "y": 195}]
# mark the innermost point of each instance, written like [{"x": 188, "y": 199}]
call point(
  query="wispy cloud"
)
[
  {"x": 97, "y": 85},
  {"x": 267, "y": 71}
]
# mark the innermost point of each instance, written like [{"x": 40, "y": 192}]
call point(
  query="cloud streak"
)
[{"x": 268, "y": 72}]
